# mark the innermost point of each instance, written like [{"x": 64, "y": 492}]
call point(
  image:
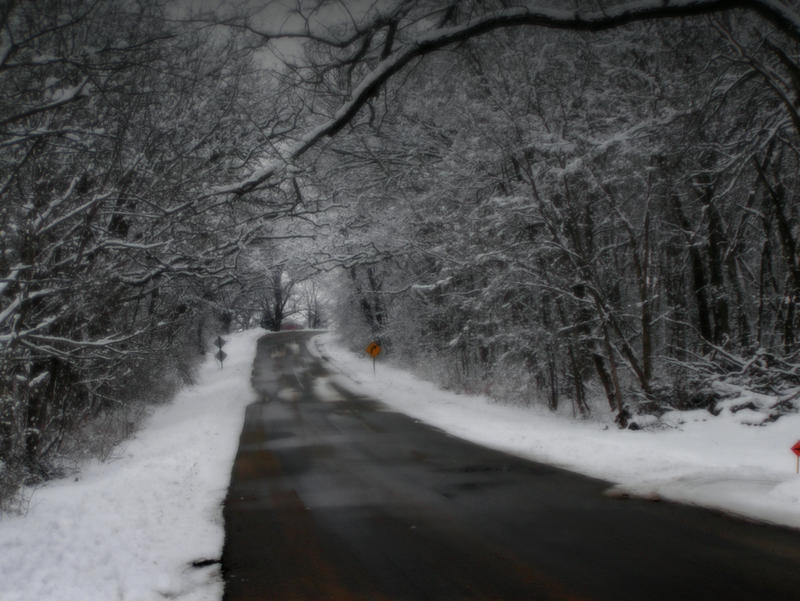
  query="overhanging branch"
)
[{"x": 780, "y": 15}]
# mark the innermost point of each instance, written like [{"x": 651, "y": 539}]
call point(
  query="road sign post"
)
[
  {"x": 796, "y": 451},
  {"x": 220, "y": 355},
  {"x": 373, "y": 350}
]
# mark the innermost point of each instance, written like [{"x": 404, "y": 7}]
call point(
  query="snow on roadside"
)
[
  {"x": 129, "y": 528},
  {"x": 717, "y": 462}
]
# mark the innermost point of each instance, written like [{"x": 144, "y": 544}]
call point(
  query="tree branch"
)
[{"x": 781, "y": 16}]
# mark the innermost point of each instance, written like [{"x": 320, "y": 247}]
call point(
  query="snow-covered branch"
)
[
  {"x": 64, "y": 97},
  {"x": 417, "y": 45}
]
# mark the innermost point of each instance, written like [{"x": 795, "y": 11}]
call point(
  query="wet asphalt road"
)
[{"x": 334, "y": 497}]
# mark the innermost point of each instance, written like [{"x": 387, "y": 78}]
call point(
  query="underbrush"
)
[
  {"x": 94, "y": 436},
  {"x": 757, "y": 390}
]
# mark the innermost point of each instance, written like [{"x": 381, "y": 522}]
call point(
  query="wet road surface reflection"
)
[{"x": 336, "y": 497}]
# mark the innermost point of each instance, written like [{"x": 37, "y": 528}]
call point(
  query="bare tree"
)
[
  {"x": 115, "y": 123},
  {"x": 278, "y": 302},
  {"x": 355, "y": 61}
]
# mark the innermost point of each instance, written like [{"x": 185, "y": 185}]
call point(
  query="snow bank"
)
[
  {"x": 129, "y": 529},
  {"x": 719, "y": 462}
]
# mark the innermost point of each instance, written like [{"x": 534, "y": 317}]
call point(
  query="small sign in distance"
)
[{"x": 373, "y": 349}]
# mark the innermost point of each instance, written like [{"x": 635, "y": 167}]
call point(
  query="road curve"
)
[{"x": 334, "y": 497}]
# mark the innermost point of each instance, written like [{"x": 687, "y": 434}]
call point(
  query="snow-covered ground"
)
[
  {"x": 129, "y": 529},
  {"x": 721, "y": 462}
]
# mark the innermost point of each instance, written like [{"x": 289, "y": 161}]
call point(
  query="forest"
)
[{"x": 549, "y": 205}]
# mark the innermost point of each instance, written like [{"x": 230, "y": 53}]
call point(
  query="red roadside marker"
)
[{"x": 796, "y": 451}]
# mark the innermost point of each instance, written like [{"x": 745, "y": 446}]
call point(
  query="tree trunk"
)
[
  {"x": 605, "y": 380},
  {"x": 791, "y": 296},
  {"x": 614, "y": 375},
  {"x": 552, "y": 372},
  {"x": 716, "y": 251},
  {"x": 699, "y": 282}
]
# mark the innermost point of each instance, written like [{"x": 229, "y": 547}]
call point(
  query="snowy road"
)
[{"x": 335, "y": 496}]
